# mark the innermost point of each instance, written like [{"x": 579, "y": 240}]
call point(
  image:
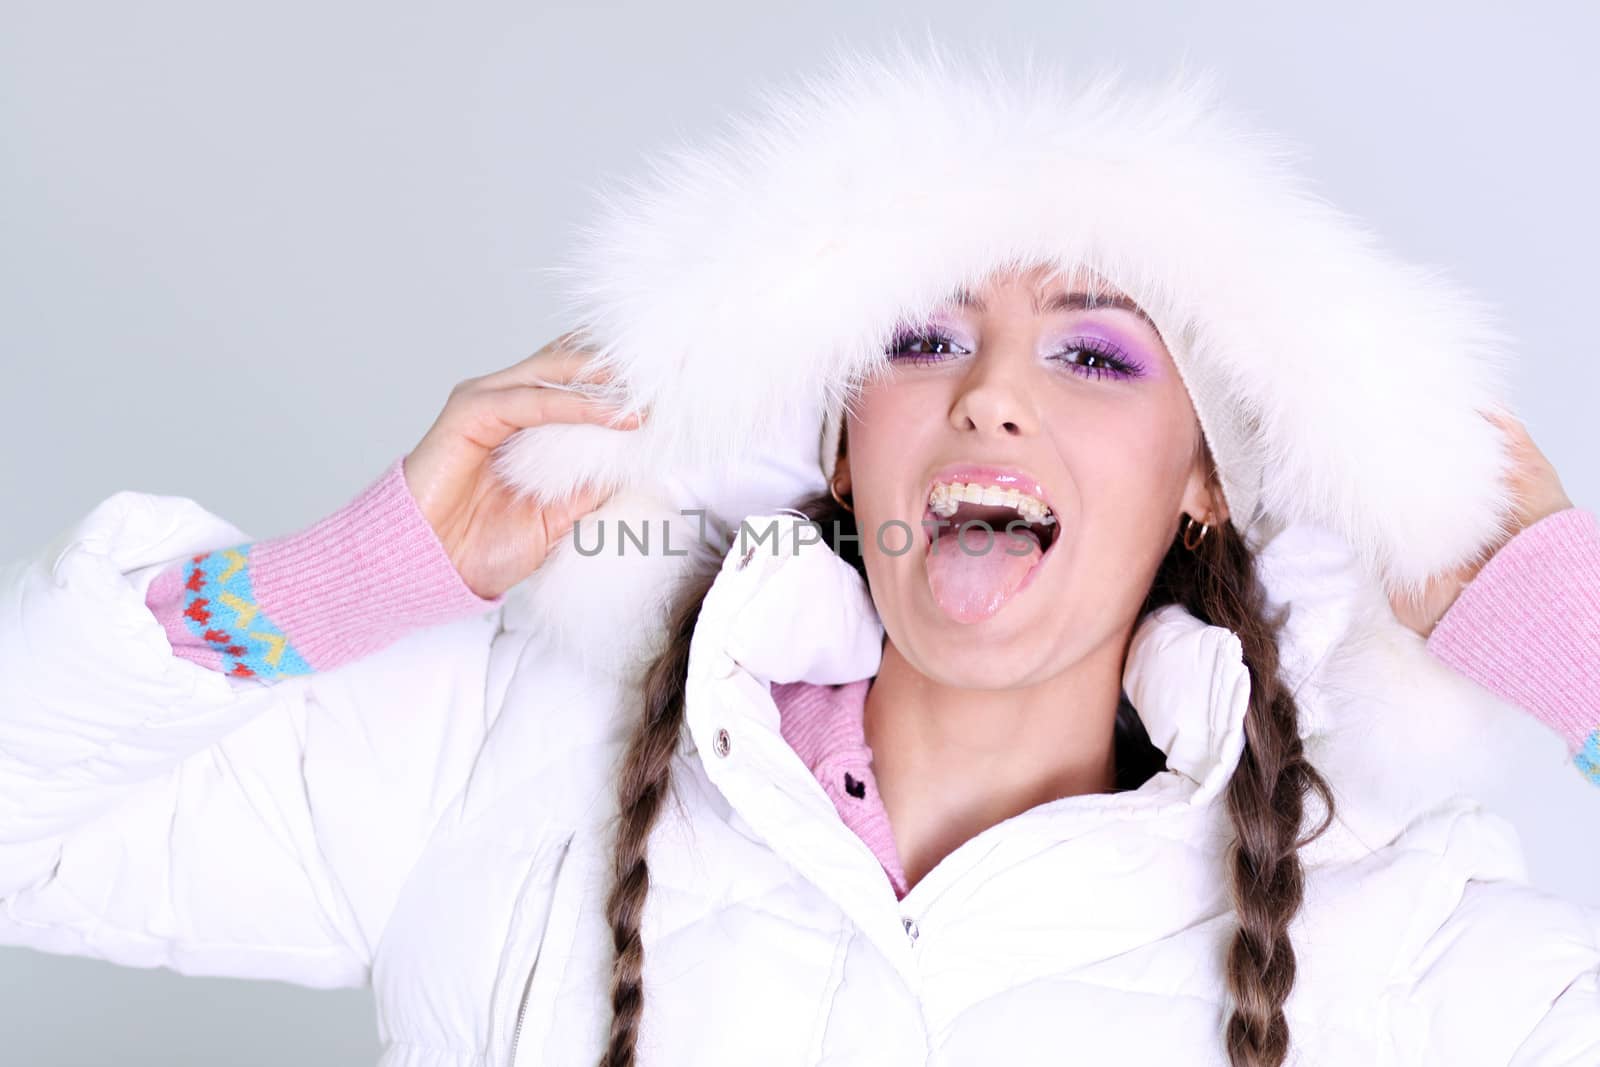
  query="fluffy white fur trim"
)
[{"x": 745, "y": 285}]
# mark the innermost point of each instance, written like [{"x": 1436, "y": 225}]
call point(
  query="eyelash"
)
[{"x": 1119, "y": 366}]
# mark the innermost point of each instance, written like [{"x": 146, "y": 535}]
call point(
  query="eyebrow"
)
[{"x": 1074, "y": 301}]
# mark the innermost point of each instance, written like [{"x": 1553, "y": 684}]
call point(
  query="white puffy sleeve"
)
[{"x": 157, "y": 813}]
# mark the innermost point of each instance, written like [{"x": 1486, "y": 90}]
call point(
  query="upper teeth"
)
[{"x": 947, "y": 496}]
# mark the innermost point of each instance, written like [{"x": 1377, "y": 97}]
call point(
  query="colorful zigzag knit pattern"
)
[
  {"x": 1588, "y": 757},
  {"x": 221, "y": 609},
  {"x": 341, "y": 589}
]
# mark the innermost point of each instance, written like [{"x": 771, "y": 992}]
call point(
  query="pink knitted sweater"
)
[{"x": 1527, "y": 627}]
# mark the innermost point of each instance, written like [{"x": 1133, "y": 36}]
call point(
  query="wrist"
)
[
  {"x": 1528, "y": 626},
  {"x": 372, "y": 570},
  {"x": 345, "y": 586}
]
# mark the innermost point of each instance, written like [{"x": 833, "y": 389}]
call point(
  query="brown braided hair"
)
[{"x": 1217, "y": 583}]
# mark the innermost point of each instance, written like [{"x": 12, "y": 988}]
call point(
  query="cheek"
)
[
  {"x": 883, "y": 434},
  {"x": 1129, "y": 472}
]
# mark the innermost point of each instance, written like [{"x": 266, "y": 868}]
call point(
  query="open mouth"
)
[{"x": 985, "y": 544}]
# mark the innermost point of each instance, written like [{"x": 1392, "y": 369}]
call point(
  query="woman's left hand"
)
[{"x": 1538, "y": 493}]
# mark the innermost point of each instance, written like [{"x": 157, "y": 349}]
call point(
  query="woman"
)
[{"x": 1130, "y": 753}]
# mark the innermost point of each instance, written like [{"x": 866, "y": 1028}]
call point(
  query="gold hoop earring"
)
[
  {"x": 1189, "y": 524},
  {"x": 833, "y": 489}
]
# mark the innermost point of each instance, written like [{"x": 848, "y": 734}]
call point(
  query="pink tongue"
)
[{"x": 973, "y": 579}]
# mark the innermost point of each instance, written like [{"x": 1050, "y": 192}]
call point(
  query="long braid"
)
[
  {"x": 1265, "y": 797},
  {"x": 642, "y": 786}
]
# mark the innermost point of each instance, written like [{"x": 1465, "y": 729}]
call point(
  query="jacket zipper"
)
[
  {"x": 556, "y": 913},
  {"x": 522, "y": 1010}
]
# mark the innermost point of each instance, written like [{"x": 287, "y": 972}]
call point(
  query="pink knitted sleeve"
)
[
  {"x": 343, "y": 588},
  {"x": 1528, "y": 628}
]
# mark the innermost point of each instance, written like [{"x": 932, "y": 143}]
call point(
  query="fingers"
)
[
  {"x": 1534, "y": 482},
  {"x": 1520, "y": 446},
  {"x": 1508, "y": 422},
  {"x": 559, "y": 519},
  {"x": 1516, "y": 431},
  {"x": 496, "y": 414},
  {"x": 563, "y": 361},
  {"x": 559, "y": 383}
]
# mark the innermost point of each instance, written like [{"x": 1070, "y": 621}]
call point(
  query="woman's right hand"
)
[{"x": 494, "y": 539}]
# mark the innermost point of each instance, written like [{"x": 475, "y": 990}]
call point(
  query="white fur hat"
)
[{"x": 747, "y": 284}]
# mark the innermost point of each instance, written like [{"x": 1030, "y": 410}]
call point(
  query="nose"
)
[{"x": 993, "y": 398}]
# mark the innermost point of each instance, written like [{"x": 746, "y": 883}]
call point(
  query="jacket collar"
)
[
  {"x": 784, "y": 607},
  {"x": 788, "y": 609}
]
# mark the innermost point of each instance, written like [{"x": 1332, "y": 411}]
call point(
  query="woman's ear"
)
[
  {"x": 1217, "y": 509},
  {"x": 1202, "y": 496}
]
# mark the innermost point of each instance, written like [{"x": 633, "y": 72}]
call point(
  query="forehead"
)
[
  {"x": 1059, "y": 300},
  {"x": 1052, "y": 290}
]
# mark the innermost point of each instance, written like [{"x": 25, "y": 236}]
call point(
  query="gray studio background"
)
[{"x": 245, "y": 251}]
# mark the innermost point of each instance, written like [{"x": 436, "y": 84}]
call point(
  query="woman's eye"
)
[
  {"x": 1095, "y": 361},
  {"x": 1087, "y": 357},
  {"x": 927, "y": 346}
]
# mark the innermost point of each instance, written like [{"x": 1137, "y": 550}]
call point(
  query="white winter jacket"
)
[{"x": 434, "y": 819}]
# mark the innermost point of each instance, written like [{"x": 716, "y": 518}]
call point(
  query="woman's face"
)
[{"x": 1080, "y": 408}]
